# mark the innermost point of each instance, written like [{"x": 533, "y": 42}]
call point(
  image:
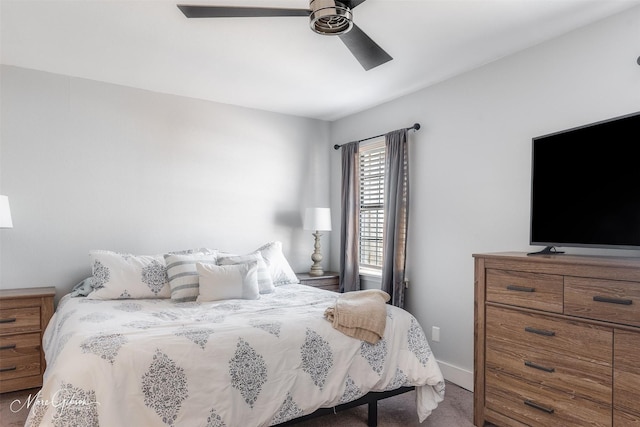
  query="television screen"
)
[{"x": 585, "y": 186}]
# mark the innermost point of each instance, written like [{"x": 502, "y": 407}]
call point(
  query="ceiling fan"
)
[{"x": 327, "y": 17}]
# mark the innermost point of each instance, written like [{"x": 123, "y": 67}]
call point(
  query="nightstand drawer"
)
[
  {"x": 329, "y": 281},
  {"x": 19, "y": 345},
  {"x": 608, "y": 300},
  {"x": 18, "y": 367},
  {"x": 329, "y": 284},
  {"x": 536, "y": 405},
  {"x": 524, "y": 289},
  {"x": 14, "y": 320}
]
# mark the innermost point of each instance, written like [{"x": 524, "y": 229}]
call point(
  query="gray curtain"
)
[
  {"x": 396, "y": 215},
  {"x": 349, "y": 241}
]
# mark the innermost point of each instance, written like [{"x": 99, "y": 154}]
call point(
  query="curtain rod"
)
[{"x": 415, "y": 126}]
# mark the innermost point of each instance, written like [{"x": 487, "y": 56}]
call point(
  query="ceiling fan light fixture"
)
[
  {"x": 330, "y": 17},
  {"x": 327, "y": 17}
]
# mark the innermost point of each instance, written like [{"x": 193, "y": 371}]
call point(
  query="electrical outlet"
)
[{"x": 435, "y": 334}]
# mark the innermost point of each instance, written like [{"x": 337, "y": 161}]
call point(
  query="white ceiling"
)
[{"x": 279, "y": 64}]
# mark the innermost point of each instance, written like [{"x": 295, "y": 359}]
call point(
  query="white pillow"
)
[
  {"x": 183, "y": 275},
  {"x": 121, "y": 276},
  {"x": 279, "y": 268},
  {"x": 220, "y": 282},
  {"x": 265, "y": 283}
]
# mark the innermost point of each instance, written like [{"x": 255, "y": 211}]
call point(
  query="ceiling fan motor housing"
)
[{"x": 330, "y": 17}]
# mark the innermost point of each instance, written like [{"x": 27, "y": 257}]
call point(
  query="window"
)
[{"x": 372, "y": 158}]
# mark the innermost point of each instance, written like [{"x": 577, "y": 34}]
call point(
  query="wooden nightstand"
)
[
  {"x": 329, "y": 280},
  {"x": 24, "y": 315}
]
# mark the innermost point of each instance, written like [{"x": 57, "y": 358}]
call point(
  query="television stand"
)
[
  {"x": 585, "y": 349},
  {"x": 549, "y": 250}
]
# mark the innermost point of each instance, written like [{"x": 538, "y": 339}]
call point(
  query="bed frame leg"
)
[{"x": 372, "y": 420}]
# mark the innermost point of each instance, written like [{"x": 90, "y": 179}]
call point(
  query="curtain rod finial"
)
[
  {"x": 416, "y": 126},
  {"x": 335, "y": 147}
]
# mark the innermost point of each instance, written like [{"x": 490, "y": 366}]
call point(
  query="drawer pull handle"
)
[
  {"x": 520, "y": 288},
  {"x": 613, "y": 300},
  {"x": 539, "y": 407},
  {"x": 540, "y": 331},
  {"x": 9, "y": 320},
  {"x": 536, "y": 366},
  {"x": 8, "y": 347},
  {"x": 10, "y": 368}
]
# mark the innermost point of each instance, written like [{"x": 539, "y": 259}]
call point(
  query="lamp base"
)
[
  {"x": 316, "y": 270},
  {"x": 316, "y": 257}
]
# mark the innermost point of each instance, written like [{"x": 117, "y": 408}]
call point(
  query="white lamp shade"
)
[
  {"x": 318, "y": 219},
  {"x": 5, "y": 213}
]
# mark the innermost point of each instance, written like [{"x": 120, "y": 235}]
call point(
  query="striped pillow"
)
[
  {"x": 265, "y": 283},
  {"x": 183, "y": 275}
]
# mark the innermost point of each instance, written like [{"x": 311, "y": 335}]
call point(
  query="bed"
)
[{"x": 228, "y": 362}]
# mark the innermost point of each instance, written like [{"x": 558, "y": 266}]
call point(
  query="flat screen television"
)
[{"x": 585, "y": 186}]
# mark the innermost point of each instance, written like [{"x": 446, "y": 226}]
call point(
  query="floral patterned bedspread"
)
[{"x": 227, "y": 363}]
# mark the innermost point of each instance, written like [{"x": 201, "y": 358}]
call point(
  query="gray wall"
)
[
  {"x": 470, "y": 166},
  {"x": 88, "y": 165}
]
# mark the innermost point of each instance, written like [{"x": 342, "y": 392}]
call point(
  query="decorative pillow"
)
[
  {"x": 83, "y": 288},
  {"x": 265, "y": 283},
  {"x": 120, "y": 276},
  {"x": 219, "y": 282},
  {"x": 183, "y": 275},
  {"x": 279, "y": 268},
  {"x": 197, "y": 251}
]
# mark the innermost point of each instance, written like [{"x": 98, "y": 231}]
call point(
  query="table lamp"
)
[{"x": 317, "y": 219}]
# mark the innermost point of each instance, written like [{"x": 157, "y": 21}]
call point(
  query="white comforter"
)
[{"x": 229, "y": 363}]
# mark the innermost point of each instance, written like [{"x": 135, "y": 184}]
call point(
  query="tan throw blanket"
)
[{"x": 360, "y": 314}]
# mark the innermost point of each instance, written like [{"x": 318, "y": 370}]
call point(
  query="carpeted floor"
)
[{"x": 400, "y": 411}]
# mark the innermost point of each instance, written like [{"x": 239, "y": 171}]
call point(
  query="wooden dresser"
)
[
  {"x": 24, "y": 315},
  {"x": 557, "y": 340}
]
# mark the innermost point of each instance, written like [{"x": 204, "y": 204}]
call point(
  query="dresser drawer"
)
[
  {"x": 537, "y": 405},
  {"x": 626, "y": 371},
  {"x": 607, "y": 300},
  {"x": 532, "y": 290},
  {"x": 14, "y": 320},
  {"x": 549, "y": 335},
  {"x": 623, "y": 419},
  {"x": 561, "y": 371}
]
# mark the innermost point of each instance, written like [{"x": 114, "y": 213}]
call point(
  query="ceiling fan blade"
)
[
  {"x": 366, "y": 51},
  {"x": 352, "y": 3},
  {"x": 238, "y": 12}
]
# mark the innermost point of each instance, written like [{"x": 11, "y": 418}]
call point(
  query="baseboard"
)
[{"x": 457, "y": 375}]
